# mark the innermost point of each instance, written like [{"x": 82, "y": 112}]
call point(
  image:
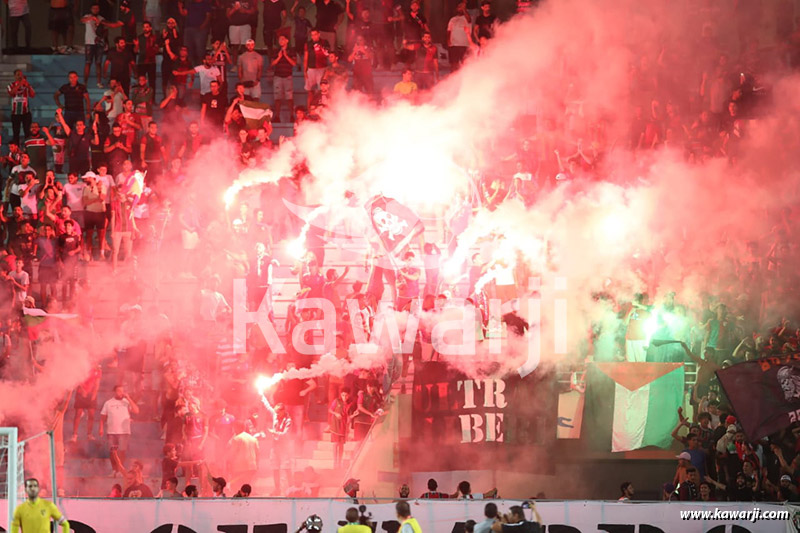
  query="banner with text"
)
[
  {"x": 435, "y": 516},
  {"x": 481, "y": 424}
]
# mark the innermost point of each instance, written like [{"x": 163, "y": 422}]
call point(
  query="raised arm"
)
[
  {"x": 133, "y": 407},
  {"x": 674, "y": 433},
  {"x": 340, "y": 278},
  {"x": 50, "y": 141}
]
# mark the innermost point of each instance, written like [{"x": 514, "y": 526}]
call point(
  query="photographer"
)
[
  {"x": 354, "y": 524},
  {"x": 514, "y": 521}
]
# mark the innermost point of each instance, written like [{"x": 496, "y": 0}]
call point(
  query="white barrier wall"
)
[{"x": 435, "y": 516}]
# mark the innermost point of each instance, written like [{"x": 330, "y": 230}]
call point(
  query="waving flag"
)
[
  {"x": 255, "y": 113},
  {"x": 36, "y": 320},
  {"x": 394, "y": 223},
  {"x": 765, "y": 394},
  {"x": 632, "y": 405}
]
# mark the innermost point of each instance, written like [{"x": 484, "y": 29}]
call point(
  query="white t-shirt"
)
[
  {"x": 458, "y": 26},
  {"x": 206, "y": 75},
  {"x": 523, "y": 176},
  {"x": 23, "y": 279},
  {"x": 19, "y": 168},
  {"x": 107, "y": 184},
  {"x": 91, "y": 30},
  {"x": 74, "y": 194},
  {"x": 119, "y": 416},
  {"x": 18, "y": 8},
  {"x": 30, "y": 202},
  {"x": 115, "y": 106}
]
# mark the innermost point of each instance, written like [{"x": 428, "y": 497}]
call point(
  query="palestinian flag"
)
[
  {"x": 255, "y": 113},
  {"x": 632, "y": 405},
  {"x": 35, "y": 321}
]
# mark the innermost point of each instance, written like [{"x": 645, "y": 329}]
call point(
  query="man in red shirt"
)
[{"x": 432, "y": 493}]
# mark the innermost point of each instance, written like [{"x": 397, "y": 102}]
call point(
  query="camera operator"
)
[
  {"x": 514, "y": 521},
  {"x": 354, "y": 523}
]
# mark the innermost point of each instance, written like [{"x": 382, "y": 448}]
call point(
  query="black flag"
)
[
  {"x": 765, "y": 394},
  {"x": 394, "y": 223}
]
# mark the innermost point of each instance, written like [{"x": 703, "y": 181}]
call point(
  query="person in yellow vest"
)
[
  {"x": 34, "y": 515},
  {"x": 353, "y": 523},
  {"x": 407, "y": 523}
]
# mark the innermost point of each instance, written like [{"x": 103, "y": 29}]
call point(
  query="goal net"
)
[{"x": 12, "y": 471}]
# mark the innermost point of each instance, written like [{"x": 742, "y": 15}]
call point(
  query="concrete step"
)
[{"x": 327, "y": 455}]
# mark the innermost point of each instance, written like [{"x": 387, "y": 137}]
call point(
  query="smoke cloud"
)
[{"x": 646, "y": 220}]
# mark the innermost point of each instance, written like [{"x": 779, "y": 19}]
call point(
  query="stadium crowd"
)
[{"x": 124, "y": 159}]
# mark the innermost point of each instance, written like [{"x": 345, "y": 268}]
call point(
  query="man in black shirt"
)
[
  {"x": 75, "y": 95},
  {"x": 485, "y": 22},
  {"x": 215, "y": 104},
  {"x": 116, "y": 149},
  {"x": 273, "y": 17},
  {"x": 121, "y": 62},
  {"x": 69, "y": 248},
  {"x": 153, "y": 153},
  {"x": 80, "y": 142},
  {"x": 147, "y": 45},
  {"x": 514, "y": 521},
  {"x": 329, "y": 16},
  {"x": 283, "y": 64}
]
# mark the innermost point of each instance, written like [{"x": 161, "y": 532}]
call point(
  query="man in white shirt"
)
[
  {"x": 464, "y": 492},
  {"x": 212, "y": 303},
  {"x": 95, "y": 47},
  {"x": 73, "y": 191},
  {"x": 242, "y": 456},
  {"x": 21, "y": 281},
  {"x": 458, "y": 29},
  {"x": 94, "y": 51},
  {"x": 24, "y": 166},
  {"x": 207, "y": 73},
  {"x": 116, "y": 416},
  {"x": 28, "y": 194},
  {"x": 114, "y": 100}
]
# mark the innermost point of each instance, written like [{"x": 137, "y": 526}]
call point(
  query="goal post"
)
[
  {"x": 12, "y": 468},
  {"x": 12, "y": 471}
]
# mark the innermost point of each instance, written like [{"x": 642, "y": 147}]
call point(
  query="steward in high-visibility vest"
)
[{"x": 407, "y": 523}]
